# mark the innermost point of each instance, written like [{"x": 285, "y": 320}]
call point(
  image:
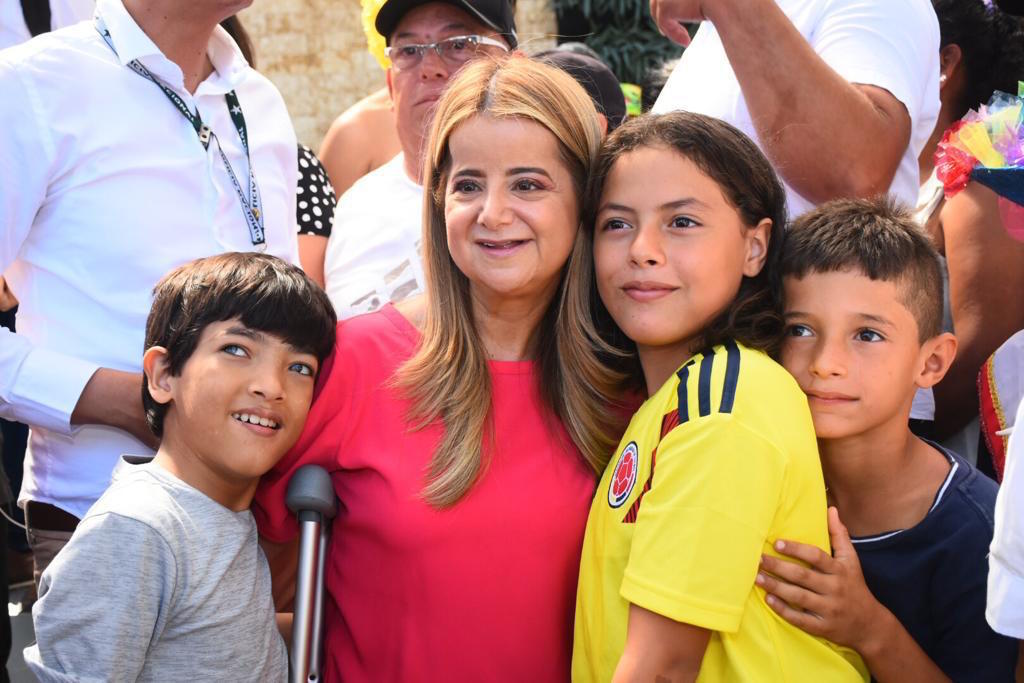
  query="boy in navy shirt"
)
[{"x": 906, "y": 584}]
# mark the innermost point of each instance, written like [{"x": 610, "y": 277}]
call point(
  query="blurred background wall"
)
[{"x": 315, "y": 53}]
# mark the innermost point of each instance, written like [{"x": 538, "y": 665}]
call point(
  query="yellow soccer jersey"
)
[{"x": 714, "y": 468}]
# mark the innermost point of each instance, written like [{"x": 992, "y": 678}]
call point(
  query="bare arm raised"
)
[{"x": 828, "y": 137}]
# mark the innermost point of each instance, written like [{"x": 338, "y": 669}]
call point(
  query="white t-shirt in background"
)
[
  {"x": 1005, "y": 611},
  {"x": 891, "y": 44},
  {"x": 374, "y": 252}
]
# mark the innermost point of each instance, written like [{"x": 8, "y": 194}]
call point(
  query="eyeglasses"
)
[{"x": 456, "y": 50}]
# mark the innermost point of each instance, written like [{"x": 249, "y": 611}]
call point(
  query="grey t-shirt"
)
[{"x": 158, "y": 583}]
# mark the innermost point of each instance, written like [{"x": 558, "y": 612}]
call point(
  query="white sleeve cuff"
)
[
  {"x": 46, "y": 389},
  {"x": 1005, "y": 608}
]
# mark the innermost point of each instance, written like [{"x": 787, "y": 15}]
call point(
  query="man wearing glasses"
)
[{"x": 373, "y": 254}]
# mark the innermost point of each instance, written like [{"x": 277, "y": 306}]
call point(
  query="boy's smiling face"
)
[
  {"x": 238, "y": 405},
  {"x": 853, "y": 347}
]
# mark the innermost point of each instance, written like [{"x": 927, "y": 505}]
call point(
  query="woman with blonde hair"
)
[{"x": 464, "y": 429}]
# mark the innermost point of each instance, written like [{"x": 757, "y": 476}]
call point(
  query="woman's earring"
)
[{"x": 942, "y": 79}]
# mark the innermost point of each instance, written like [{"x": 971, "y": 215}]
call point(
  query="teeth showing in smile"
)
[
  {"x": 254, "y": 419},
  {"x": 501, "y": 245}
]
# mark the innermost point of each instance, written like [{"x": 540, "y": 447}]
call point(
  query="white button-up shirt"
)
[
  {"x": 62, "y": 13},
  {"x": 104, "y": 187}
]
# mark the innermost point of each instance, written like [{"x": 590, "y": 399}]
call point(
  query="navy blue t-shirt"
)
[{"x": 933, "y": 578}]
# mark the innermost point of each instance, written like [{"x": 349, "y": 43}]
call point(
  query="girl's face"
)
[
  {"x": 670, "y": 250},
  {"x": 511, "y": 209}
]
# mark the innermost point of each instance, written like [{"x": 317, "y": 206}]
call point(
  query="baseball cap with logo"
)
[{"x": 496, "y": 14}]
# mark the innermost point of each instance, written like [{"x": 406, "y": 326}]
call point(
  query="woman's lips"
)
[{"x": 500, "y": 248}]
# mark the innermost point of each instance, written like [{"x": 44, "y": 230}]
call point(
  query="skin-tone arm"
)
[
  {"x": 284, "y": 626},
  {"x": 829, "y": 598},
  {"x": 660, "y": 649},
  {"x": 813, "y": 123},
  {"x": 986, "y": 276},
  {"x": 346, "y": 153},
  {"x": 359, "y": 140},
  {"x": 283, "y": 559},
  {"x": 114, "y": 398},
  {"x": 7, "y": 298},
  {"x": 312, "y": 249}
]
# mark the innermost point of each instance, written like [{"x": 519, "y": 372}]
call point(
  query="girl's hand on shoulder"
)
[{"x": 827, "y": 598}]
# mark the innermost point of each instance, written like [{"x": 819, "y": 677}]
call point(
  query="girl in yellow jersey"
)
[{"x": 721, "y": 459}]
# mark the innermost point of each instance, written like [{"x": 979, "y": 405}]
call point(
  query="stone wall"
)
[{"x": 315, "y": 53}]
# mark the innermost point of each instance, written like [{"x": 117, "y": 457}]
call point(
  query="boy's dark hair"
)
[
  {"x": 265, "y": 293},
  {"x": 877, "y": 237},
  {"x": 748, "y": 182}
]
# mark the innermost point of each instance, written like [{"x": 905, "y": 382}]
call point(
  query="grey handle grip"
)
[{"x": 310, "y": 490}]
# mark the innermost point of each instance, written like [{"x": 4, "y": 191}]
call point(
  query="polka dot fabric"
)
[{"x": 316, "y": 200}]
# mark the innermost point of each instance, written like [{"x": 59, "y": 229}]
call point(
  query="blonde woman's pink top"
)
[{"x": 483, "y": 591}]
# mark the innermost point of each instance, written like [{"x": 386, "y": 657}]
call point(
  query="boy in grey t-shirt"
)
[{"x": 163, "y": 579}]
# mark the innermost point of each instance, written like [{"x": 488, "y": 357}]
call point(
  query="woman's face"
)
[{"x": 511, "y": 209}]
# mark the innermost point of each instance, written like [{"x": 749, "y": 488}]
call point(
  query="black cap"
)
[
  {"x": 595, "y": 77},
  {"x": 497, "y": 14}
]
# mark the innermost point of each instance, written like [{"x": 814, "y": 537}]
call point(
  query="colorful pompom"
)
[{"x": 988, "y": 142}]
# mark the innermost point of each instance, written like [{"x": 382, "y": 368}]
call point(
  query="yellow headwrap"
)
[{"x": 374, "y": 41}]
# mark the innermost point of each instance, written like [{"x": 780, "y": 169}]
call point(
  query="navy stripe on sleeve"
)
[
  {"x": 732, "y": 376},
  {"x": 681, "y": 395},
  {"x": 704, "y": 383}
]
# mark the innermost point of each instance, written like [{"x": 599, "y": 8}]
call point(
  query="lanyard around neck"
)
[{"x": 251, "y": 205}]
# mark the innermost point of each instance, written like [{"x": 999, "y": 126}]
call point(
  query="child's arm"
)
[
  {"x": 830, "y": 599},
  {"x": 284, "y": 626},
  {"x": 103, "y": 602},
  {"x": 283, "y": 559},
  {"x": 660, "y": 649}
]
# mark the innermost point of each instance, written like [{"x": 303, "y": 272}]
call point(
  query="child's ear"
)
[
  {"x": 937, "y": 355},
  {"x": 158, "y": 375},
  {"x": 758, "y": 238}
]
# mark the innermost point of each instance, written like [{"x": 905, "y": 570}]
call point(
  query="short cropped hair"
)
[
  {"x": 265, "y": 293},
  {"x": 877, "y": 237}
]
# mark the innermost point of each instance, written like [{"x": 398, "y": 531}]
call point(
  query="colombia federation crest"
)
[{"x": 624, "y": 475}]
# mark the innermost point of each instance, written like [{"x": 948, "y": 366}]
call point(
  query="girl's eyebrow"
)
[
  {"x": 684, "y": 202},
  {"x": 611, "y": 206},
  {"x": 681, "y": 203}
]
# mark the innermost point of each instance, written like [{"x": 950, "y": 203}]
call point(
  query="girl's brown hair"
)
[
  {"x": 448, "y": 378},
  {"x": 746, "y": 178}
]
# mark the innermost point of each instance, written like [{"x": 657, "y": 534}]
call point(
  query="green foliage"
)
[
  {"x": 637, "y": 10},
  {"x": 624, "y": 34}
]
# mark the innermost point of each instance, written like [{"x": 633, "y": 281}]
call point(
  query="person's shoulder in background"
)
[{"x": 361, "y": 139}]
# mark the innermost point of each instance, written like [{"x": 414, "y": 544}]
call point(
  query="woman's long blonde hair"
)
[{"x": 448, "y": 377}]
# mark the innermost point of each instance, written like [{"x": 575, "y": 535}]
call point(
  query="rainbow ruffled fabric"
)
[{"x": 986, "y": 145}]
